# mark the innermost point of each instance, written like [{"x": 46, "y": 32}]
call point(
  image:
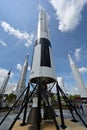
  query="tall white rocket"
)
[
  {"x": 22, "y": 80},
  {"x": 81, "y": 87},
  {"x": 5, "y": 82},
  {"x": 42, "y": 64},
  {"x": 42, "y": 68}
]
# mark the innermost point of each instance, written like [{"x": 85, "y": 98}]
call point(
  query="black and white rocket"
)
[
  {"x": 81, "y": 87},
  {"x": 42, "y": 63},
  {"x": 5, "y": 82},
  {"x": 42, "y": 67},
  {"x": 22, "y": 80}
]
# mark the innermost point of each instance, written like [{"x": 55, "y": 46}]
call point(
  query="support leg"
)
[
  {"x": 60, "y": 108},
  {"x": 12, "y": 107},
  {"x": 23, "y": 106},
  {"x": 69, "y": 106},
  {"x": 39, "y": 105},
  {"x": 26, "y": 103},
  {"x": 75, "y": 110}
]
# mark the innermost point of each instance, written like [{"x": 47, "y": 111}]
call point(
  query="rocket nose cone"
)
[
  {"x": 42, "y": 29},
  {"x": 70, "y": 59}
]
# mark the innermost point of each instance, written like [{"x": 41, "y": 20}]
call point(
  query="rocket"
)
[
  {"x": 42, "y": 64},
  {"x": 22, "y": 79},
  {"x": 42, "y": 68},
  {"x": 5, "y": 82},
  {"x": 81, "y": 87}
]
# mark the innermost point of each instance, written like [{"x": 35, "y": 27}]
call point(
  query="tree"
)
[
  {"x": 11, "y": 97},
  {"x": 72, "y": 97}
]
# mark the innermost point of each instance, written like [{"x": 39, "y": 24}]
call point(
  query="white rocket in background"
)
[
  {"x": 5, "y": 82},
  {"x": 81, "y": 87},
  {"x": 22, "y": 80},
  {"x": 42, "y": 64}
]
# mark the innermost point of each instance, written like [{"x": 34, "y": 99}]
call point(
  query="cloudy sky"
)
[{"x": 68, "y": 34}]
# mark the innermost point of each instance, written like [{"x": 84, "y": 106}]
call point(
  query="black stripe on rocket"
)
[{"x": 45, "y": 52}]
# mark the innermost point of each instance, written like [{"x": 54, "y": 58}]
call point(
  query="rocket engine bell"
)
[{"x": 42, "y": 63}]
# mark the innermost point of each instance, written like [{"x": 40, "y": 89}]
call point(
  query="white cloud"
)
[
  {"x": 3, "y": 43},
  {"x": 19, "y": 67},
  {"x": 11, "y": 87},
  {"x": 72, "y": 90},
  {"x": 3, "y": 73},
  {"x": 29, "y": 40},
  {"x": 75, "y": 91},
  {"x": 67, "y": 88},
  {"x": 82, "y": 70},
  {"x": 68, "y": 13},
  {"x": 77, "y": 53},
  {"x": 61, "y": 82},
  {"x": 17, "y": 33}
]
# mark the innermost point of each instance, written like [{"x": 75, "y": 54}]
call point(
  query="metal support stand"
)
[
  {"x": 68, "y": 104},
  {"x": 73, "y": 107},
  {"x": 52, "y": 112},
  {"x": 39, "y": 105},
  {"x": 26, "y": 104},
  {"x": 12, "y": 107},
  {"x": 23, "y": 106},
  {"x": 60, "y": 108},
  {"x": 43, "y": 93}
]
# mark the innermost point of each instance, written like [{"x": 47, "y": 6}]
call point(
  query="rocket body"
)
[
  {"x": 42, "y": 63},
  {"x": 42, "y": 69},
  {"x": 81, "y": 87},
  {"x": 4, "y": 84},
  {"x": 22, "y": 80}
]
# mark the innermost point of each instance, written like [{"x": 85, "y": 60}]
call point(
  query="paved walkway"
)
[
  {"x": 11, "y": 117},
  {"x": 49, "y": 125}
]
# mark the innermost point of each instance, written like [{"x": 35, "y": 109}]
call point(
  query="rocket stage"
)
[{"x": 49, "y": 125}]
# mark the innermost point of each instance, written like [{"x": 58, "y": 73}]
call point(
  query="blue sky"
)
[{"x": 68, "y": 34}]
